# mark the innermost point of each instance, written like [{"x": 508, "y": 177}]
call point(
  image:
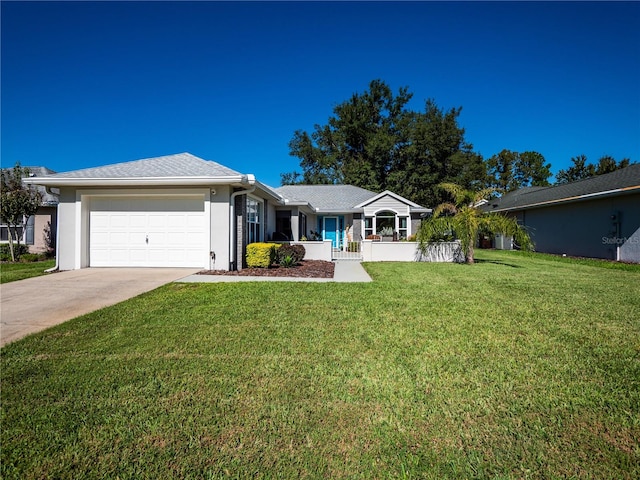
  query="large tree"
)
[
  {"x": 374, "y": 141},
  {"x": 581, "y": 168},
  {"x": 17, "y": 203},
  {"x": 509, "y": 170},
  {"x": 463, "y": 217}
]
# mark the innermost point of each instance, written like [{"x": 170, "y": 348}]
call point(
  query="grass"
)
[
  {"x": 517, "y": 367},
  {"x": 10, "y": 272}
]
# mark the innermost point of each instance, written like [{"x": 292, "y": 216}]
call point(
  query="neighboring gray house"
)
[
  {"x": 41, "y": 226},
  {"x": 183, "y": 211},
  {"x": 598, "y": 217}
]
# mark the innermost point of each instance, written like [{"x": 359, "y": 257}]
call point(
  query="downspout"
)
[
  {"x": 55, "y": 267},
  {"x": 232, "y": 221}
]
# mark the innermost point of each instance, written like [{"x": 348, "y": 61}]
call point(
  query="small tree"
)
[
  {"x": 464, "y": 219},
  {"x": 17, "y": 203}
]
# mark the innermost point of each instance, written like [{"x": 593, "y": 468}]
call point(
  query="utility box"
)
[{"x": 502, "y": 242}]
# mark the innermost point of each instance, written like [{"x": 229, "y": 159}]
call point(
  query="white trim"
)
[
  {"x": 83, "y": 209},
  {"x": 140, "y": 181},
  {"x": 393, "y": 195},
  {"x": 567, "y": 199}
]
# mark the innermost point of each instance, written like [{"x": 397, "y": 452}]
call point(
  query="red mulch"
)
[{"x": 305, "y": 269}]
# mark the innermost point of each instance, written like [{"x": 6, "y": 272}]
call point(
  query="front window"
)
[
  {"x": 385, "y": 223},
  {"x": 254, "y": 220},
  {"x": 302, "y": 225},
  {"x": 368, "y": 226},
  {"x": 403, "y": 228}
]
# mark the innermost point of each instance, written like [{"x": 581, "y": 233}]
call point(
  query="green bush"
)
[
  {"x": 33, "y": 257},
  {"x": 5, "y": 253},
  {"x": 295, "y": 252},
  {"x": 261, "y": 254},
  {"x": 287, "y": 262}
]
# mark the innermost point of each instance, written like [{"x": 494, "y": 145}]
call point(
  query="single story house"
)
[
  {"x": 183, "y": 211},
  {"x": 39, "y": 231},
  {"x": 598, "y": 217}
]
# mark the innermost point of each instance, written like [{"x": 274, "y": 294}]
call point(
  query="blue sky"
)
[{"x": 87, "y": 84}]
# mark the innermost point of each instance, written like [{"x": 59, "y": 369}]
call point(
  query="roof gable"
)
[{"x": 396, "y": 197}]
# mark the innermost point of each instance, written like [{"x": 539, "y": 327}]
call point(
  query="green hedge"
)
[
  {"x": 262, "y": 254},
  {"x": 5, "y": 253},
  {"x": 294, "y": 252}
]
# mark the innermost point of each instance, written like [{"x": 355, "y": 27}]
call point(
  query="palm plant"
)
[{"x": 463, "y": 219}]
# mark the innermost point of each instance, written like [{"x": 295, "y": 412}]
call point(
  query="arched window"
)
[{"x": 385, "y": 222}]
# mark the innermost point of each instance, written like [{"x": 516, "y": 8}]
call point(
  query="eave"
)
[
  {"x": 577, "y": 198},
  {"x": 239, "y": 180}
]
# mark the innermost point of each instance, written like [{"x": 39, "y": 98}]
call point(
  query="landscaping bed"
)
[{"x": 305, "y": 269}]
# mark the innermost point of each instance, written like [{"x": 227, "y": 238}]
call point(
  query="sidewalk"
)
[{"x": 345, "y": 272}]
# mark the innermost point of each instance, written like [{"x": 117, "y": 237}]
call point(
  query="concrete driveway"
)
[{"x": 30, "y": 305}]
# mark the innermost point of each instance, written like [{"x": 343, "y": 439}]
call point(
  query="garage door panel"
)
[{"x": 153, "y": 231}]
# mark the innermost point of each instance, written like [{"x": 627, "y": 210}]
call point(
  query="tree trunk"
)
[
  {"x": 11, "y": 249},
  {"x": 470, "y": 255}
]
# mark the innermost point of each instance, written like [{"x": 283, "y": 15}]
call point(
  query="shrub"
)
[
  {"x": 296, "y": 252},
  {"x": 287, "y": 262},
  {"x": 32, "y": 257},
  {"x": 261, "y": 254},
  {"x": 5, "y": 253}
]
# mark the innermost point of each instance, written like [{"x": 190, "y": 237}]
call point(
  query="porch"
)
[{"x": 376, "y": 251}]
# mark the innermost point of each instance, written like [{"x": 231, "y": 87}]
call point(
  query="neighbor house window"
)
[
  {"x": 254, "y": 220},
  {"x": 4, "y": 234}
]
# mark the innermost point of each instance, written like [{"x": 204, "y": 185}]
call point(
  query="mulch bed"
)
[{"x": 305, "y": 269}]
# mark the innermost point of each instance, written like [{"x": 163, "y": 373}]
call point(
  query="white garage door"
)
[{"x": 145, "y": 231}]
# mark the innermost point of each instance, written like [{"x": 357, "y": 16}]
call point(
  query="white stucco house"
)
[{"x": 183, "y": 211}]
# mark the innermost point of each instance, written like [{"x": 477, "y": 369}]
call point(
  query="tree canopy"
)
[
  {"x": 509, "y": 170},
  {"x": 17, "y": 202},
  {"x": 581, "y": 168},
  {"x": 374, "y": 141}
]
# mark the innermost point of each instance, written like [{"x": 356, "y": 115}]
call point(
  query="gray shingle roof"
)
[
  {"x": 179, "y": 165},
  {"x": 625, "y": 178},
  {"x": 333, "y": 198}
]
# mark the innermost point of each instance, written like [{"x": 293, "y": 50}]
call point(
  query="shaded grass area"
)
[
  {"x": 516, "y": 367},
  {"x": 10, "y": 272}
]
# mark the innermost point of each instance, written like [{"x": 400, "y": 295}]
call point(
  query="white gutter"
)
[
  {"x": 56, "y": 266},
  {"x": 138, "y": 181},
  {"x": 232, "y": 216}
]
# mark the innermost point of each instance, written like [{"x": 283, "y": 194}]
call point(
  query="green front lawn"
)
[
  {"x": 10, "y": 272},
  {"x": 520, "y": 366}
]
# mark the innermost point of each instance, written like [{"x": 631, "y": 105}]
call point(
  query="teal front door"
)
[{"x": 330, "y": 230}]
